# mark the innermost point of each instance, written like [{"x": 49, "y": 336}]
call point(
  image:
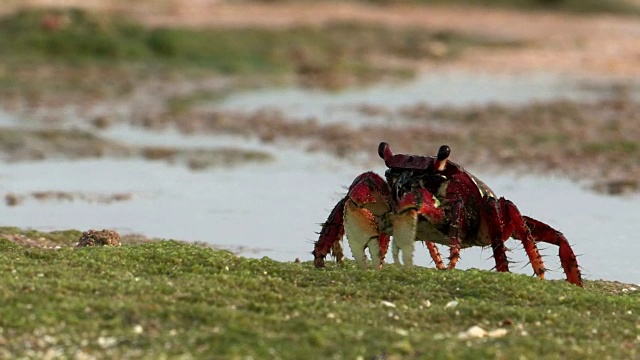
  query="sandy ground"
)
[{"x": 597, "y": 44}]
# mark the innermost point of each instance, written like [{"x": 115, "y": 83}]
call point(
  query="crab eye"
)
[
  {"x": 384, "y": 151},
  {"x": 441, "y": 160},
  {"x": 444, "y": 152}
]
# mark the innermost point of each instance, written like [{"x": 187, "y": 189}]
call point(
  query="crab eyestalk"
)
[
  {"x": 384, "y": 151},
  {"x": 443, "y": 156}
]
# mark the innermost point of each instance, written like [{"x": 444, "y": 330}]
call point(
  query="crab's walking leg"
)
[
  {"x": 419, "y": 202},
  {"x": 455, "y": 228},
  {"x": 545, "y": 233},
  {"x": 493, "y": 226},
  {"x": 435, "y": 255},
  {"x": 330, "y": 235},
  {"x": 514, "y": 225}
]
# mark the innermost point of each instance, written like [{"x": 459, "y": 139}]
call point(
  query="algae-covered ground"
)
[{"x": 168, "y": 299}]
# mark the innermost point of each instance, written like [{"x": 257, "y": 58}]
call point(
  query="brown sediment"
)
[
  {"x": 20, "y": 144},
  {"x": 592, "y": 141},
  {"x": 99, "y": 238},
  {"x": 13, "y": 199},
  {"x": 595, "y": 142},
  {"x": 56, "y": 239}
]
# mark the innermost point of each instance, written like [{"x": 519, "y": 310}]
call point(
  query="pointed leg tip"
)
[{"x": 576, "y": 281}]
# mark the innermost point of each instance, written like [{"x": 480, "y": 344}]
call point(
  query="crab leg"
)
[
  {"x": 493, "y": 226},
  {"x": 419, "y": 202},
  {"x": 435, "y": 255},
  {"x": 545, "y": 233},
  {"x": 457, "y": 223},
  {"x": 515, "y": 226},
  {"x": 330, "y": 235}
]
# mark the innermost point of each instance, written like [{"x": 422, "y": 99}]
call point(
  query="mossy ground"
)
[
  {"x": 168, "y": 299},
  {"x": 334, "y": 55}
]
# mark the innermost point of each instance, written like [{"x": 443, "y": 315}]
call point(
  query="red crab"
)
[{"x": 431, "y": 199}]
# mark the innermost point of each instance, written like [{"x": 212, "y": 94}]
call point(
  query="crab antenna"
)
[
  {"x": 384, "y": 151},
  {"x": 443, "y": 155}
]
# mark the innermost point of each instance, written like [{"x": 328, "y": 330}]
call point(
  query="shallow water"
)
[
  {"x": 452, "y": 88},
  {"x": 274, "y": 209}
]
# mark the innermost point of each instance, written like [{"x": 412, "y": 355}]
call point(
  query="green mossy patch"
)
[
  {"x": 332, "y": 55},
  {"x": 167, "y": 299}
]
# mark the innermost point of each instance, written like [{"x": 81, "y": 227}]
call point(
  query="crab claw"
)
[
  {"x": 404, "y": 234},
  {"x": 362, "y": 232},
  {"x": 359, "y": 214},
  {"x": 367, "y": 203},
  {"x": 415, "y": 204}
]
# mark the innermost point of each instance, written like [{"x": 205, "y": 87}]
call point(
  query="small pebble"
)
[
  {"x": 451, "y": 304},
  {"x": 387, "y": 304}
]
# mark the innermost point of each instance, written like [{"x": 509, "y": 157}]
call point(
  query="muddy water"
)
[{"x": 273, "y": 209}]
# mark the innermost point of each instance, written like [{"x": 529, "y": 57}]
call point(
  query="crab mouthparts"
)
[{"x": 441, "y": 159}]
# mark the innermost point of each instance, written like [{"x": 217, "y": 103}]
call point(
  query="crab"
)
[{"x": 433, "y": 200}]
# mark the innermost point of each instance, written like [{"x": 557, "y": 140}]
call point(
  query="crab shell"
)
[{"x": 431, "y": 199}]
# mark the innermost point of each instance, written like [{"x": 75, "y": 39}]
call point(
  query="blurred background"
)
[{"x": 240, "y": 123}]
